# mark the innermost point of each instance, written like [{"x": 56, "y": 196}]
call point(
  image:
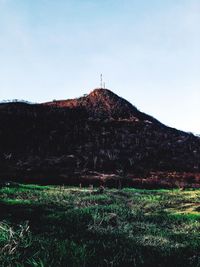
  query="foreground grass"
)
[{"x": 62, "y": 226}]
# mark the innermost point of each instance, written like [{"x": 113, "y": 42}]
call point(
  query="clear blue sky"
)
[{"x": 147, "y": 50}]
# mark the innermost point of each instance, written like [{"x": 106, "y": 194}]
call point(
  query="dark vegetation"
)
[
  {"x": 94, "y": 135},
  {"x": 62, "y": 226}
]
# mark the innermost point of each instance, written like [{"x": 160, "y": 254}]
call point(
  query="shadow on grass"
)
[{"x": 105, "y": 235}]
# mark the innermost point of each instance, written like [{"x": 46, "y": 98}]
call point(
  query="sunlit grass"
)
[{"x": 69, "y": 226}]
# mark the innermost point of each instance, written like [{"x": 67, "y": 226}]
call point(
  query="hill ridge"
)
[{"x": 102, "y": 103}]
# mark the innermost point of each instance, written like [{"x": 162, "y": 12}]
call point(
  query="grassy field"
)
[{"x": 63, "y": 226}]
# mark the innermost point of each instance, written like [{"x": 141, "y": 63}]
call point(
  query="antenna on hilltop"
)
[
  {"x": 101, "y": 81},
  {"x": 102, "y": 84}
]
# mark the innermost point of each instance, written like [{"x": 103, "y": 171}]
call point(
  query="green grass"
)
[{"x": 65, "y": 226}]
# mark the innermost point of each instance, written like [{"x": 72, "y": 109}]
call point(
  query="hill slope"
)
[
  {"x": 100, "y": 132},
  {"x": 104, "y": 104}
]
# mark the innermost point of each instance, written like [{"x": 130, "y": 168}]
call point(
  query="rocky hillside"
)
[
  {"x": 99, "y": 132},
  {"x": 103, "y": 104}
]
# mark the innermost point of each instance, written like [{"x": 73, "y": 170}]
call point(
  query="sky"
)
[{"x": 148, "y": 53}]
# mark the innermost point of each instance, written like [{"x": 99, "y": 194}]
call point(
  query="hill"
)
[{"x": 100, "y": 133}]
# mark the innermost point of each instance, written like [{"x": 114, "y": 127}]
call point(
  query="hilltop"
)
[{"x": 104, "y": 104}]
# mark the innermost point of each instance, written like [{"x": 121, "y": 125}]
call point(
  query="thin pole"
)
[{"x": 101, "y": 81}]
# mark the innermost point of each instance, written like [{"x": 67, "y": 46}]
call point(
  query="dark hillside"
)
[{"x": 100, "y": 132}]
